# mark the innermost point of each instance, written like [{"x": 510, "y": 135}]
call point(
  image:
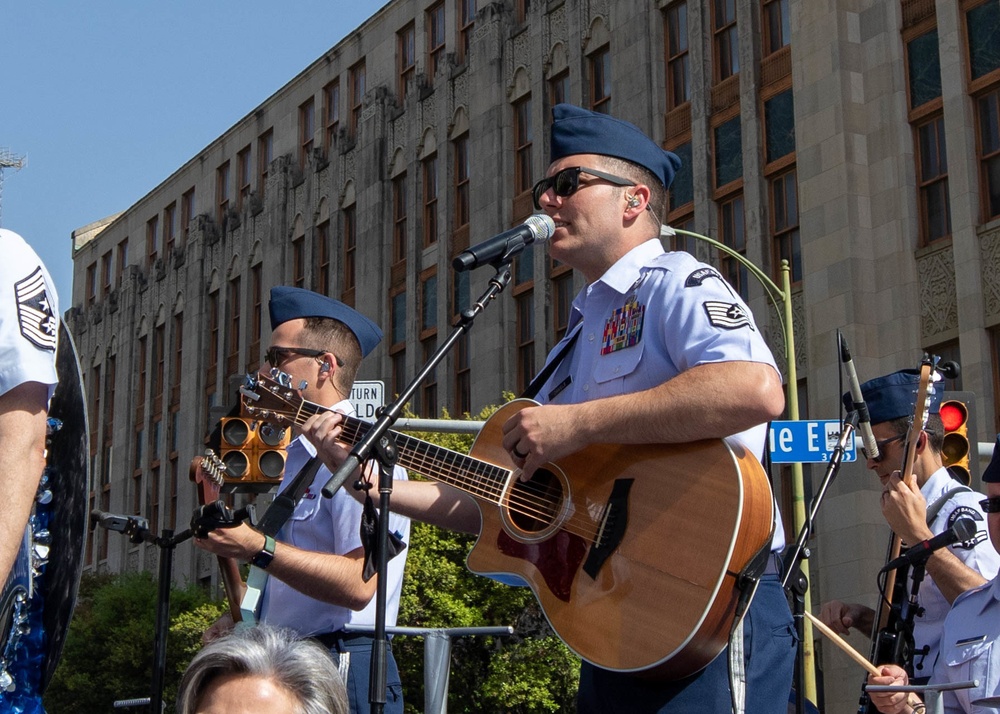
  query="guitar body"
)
[
  {"x": 633, "y": 551},
  {"x": 662, "y": 600}
]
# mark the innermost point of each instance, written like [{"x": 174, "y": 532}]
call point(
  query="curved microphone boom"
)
[
  {"x": 504, "y": 246},
  {"x": 864, "y": 419}
]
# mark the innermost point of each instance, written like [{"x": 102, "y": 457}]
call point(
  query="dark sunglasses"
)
[
  {"x": 881, "y": 445},
  {"x": 566, "y": 182},
  {"x": 276, "y": 355},
  {"x": 990, "y": 505}
]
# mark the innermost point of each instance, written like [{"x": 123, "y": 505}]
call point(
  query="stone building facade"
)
[{"x": 857, "y": 139}]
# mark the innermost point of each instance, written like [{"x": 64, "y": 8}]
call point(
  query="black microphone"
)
[
  {"x": 864, "y": 419},
  {"x": 504, "y": 246},
  {"x": 964, "y": 529}
]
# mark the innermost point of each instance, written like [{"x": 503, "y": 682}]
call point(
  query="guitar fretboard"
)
[{"x": 477, "y": 478}]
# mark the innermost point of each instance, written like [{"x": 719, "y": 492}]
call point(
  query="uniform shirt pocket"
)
[
  {"x": 969, "y": 659},
  {"x": 612, "y": 369}
]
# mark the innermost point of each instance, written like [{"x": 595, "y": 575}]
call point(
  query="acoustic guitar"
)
[{"x": 633, "y": 551}]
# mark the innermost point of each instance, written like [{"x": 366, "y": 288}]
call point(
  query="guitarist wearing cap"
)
[
  {"x": 315, "y": 565},
  {"x": 666, "y": 354},
  {"x": 968, "y": 643},
  {"x": 933, "y": 505}
]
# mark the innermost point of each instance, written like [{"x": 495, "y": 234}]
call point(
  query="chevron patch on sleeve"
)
[
  {"x": 727, "y": 315},
  {"x": 34, "y": 311}
]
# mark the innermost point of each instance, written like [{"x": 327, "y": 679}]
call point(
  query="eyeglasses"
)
[
  {"x": 566, "y": 182},
  {"x": 276, "y": 355},
  {"x": 991, "y": 504},
  {"x": 881, "y": 445}
]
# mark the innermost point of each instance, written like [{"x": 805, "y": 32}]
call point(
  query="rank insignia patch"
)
[
  {"x": 624, "y": 327},
  {"x": 727, "y": 315},
  {"x": 34, "y": 311}
]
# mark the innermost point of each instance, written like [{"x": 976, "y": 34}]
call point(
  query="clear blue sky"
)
[{"x": 106, "y": 99}]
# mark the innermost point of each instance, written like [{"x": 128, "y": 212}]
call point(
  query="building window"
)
[
  {"x": 728, "y": 152},
  {"x": 779, "y": 126},
  {"x": 435, "y": 38},
  {"x": 212, "y": 356},
  {"x": 105, "y": 274},
  {"x": 429, "y": 168},
  {"x": 989, "y": 139},
  {"x": 428, "y": 341},
  {"x": 785, "y": 224},
  {"x": 357, "y": 77},
  {"x": 152, "y": 240},
  {"x": 466, "y": 20},
  {"x": 265, "y": 152},
  {"x": 323, "y": 258},
  {"x": 299, "y": 261},
  {"x": 177, "y": 367},
  {"x": 350, "y": 248},
  {"x": 406, "y": 61},
  {"x": 733, "y": 230},
  {"x": 525, "y": 338},
  {"x": 600, "y": 80},
  {"x": 399, "y": 218},
  {"x": 169, "y": 229},
  {"x": 256, "y": 312},
  {"x": 187, "y": 214},
  {"x": 681, "y": 194},
  {"x": 159, "y": 350},
  {"x": 932, "y": 164},
  {"x": 678, "y": 69},
  {"x": 397, "y": 348},
  {"x": 122, "y": 262},
  {"x": 982, "y": 24},
  {"x": 244, "y": 177},
  {"x": 222, "y": 195},
  {"x": 233, "y": 353},
  {"x": 331, "y": 114},
  {"x": 777, "y": 31},
  {"x": 463, "y": 375},
  {"x": 461, "y": 174},
  {"x": 559, "y": 88},
  {"x": 523, "y": 137},
  {"x": 91, "y": 284},
  {"x": 307, "y": 129},
  {"x": 923, "y": 69},
  {"x": 561, "y": 278},
  {"x": 726, "y": 39},
  {"x": 523, "y": 8}
]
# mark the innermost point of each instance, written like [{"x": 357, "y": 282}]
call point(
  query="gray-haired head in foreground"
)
[{"x": 302, "y": 667}]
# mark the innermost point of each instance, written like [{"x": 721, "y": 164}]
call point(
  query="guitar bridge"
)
[{"x": 612, "y": 530}]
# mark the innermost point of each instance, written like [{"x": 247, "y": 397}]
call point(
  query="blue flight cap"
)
[
  {"x": 991, "y": 474},
  {"x": 292, "y": 303},
  {"x": 893, "y": 396},
  {"x": 580, "y": 131}
]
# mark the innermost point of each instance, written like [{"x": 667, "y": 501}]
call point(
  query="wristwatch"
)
[{"x": 265, "y": 556}]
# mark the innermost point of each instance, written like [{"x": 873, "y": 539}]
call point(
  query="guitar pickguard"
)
[{"x": 557, "y": 558}]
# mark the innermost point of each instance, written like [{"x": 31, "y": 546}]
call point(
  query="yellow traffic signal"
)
[
  {"x": 955, "y": 417},
  {"x": 254, "y": 454}
]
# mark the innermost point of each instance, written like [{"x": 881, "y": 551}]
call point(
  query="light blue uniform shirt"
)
[{"x": 651, "y": 316}]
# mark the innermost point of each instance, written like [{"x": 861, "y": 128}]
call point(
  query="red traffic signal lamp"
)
[
  {"x": 956, "y": 413},
  {"x": 253, "y": 453}
]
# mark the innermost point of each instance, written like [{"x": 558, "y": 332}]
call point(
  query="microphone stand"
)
[
  {"x": 795, "y": 582},
  {"x": 137, "y": 530},
  {"x": 379, "y": 444}
]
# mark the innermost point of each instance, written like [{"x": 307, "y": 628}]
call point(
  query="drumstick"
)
[{"x": 912, "y": 700}]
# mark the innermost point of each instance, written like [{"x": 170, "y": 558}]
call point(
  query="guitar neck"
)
[{"x": 480, "y": 479}]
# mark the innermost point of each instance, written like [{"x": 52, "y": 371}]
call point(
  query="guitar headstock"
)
[
  {"x": 271, "y": 398},
  {"x": 208, "y": 472}
]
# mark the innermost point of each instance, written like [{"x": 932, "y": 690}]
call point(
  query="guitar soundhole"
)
[{"x": 534, "y": 505}]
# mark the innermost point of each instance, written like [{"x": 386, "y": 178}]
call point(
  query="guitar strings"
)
[{"x": 526, "y": 499}]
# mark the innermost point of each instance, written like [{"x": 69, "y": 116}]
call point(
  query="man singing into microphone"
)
[{"x": 935, "y": 503}]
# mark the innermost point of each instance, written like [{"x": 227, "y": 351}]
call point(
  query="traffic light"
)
[
  {"x": 959, "y": 435},
  {"x": 254, "y": 454}
]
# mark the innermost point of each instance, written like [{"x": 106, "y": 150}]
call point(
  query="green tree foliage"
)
[
  {"x": 531, "y": 671},
  {"x": 109, "y": 647}
]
